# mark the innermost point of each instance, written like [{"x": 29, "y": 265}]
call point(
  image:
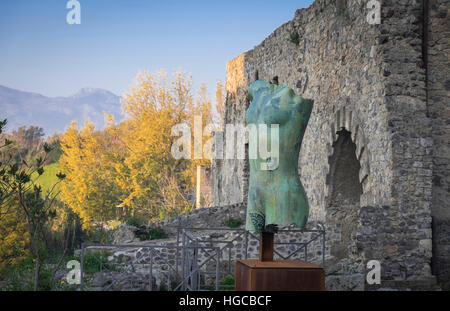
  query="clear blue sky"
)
[{"x": 40, "y": 52}]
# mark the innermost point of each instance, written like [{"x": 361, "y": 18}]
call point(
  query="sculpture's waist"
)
[
  {"x": 272, "y": 177},
  {"x": 280, "y": 169}
]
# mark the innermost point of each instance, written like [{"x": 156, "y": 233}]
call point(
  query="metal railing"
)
[
  {"x": 187, "y": 233},
  {"x": 198, "y": 258},
  {"x": 187, "y": 276},
  {"x": 185, "y": 237}
]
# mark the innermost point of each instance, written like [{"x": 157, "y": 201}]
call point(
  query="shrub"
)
[
  {"x": 227, "y": 284},
  {"x": 92, "y": 261},
  {"x": 156, "y": 233},
  {"x": 233, "y": 222},
  {"x": 294, "y": 38},
  {"x": 135, "y": 221}
]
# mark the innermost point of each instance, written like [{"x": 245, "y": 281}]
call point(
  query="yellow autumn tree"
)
[
  {"x": 88, "y": 161},
  {"x": 128, "y": 169},
  {"x": 158, "y": 183}
]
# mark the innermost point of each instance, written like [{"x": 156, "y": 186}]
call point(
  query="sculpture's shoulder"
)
[
  {"x": 257, "y": 88},
  {"x": 299, "y": 106},
  {"x": 277, "y": 103}
]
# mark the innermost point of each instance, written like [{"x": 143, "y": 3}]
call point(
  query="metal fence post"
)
[
  {"x": 151, "y": 270},
  {"x": 82, "y": 266},
  {"x": 177, "y": 251},
  {"x": 219, "y": 255},
  {"x": 323, "y": 249},
  {"x": 194, "y": 277},
  {"x": 183, "y": 260},
  {"x": 246, "y": 244}
]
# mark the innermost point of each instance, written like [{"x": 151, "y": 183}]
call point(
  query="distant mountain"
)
[{"x": 54, "y": 114}]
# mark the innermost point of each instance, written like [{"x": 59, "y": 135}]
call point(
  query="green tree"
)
[{"x": 22, "y": 197}]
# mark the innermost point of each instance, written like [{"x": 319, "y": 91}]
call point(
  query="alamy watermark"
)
[
  {"x": 74, "y": 15},
  {"x": 232, "y": 147},
  {"x": 374, "y": 15},
  {"x": 374, "y": 275},
  {"x": 74, "y": 275}
]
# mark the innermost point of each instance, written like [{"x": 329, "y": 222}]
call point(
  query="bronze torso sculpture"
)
[{"x": 276, "y": 197}]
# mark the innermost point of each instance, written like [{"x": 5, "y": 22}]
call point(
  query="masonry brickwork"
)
[
  {"x": 388, "y": 87},
  {"x": 438, "y": 99}
]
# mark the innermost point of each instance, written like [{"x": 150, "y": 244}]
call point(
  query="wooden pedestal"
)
[{"x": 278, "y": 275}]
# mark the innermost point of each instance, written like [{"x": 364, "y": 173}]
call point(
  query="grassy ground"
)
[{"x": 48, "y": 178}]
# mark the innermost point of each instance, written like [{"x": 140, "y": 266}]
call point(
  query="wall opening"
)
[
  {"x": 344, "y": 195},
  {"x": 345, "y": 188}
]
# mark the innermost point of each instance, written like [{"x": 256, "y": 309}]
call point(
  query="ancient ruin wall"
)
[
  {"x": 230, "y": 177},
  {"x": 370, "y": 81},
  {"x": 438, "y": 61},
  {"x": 408, "y": 218},
  {"x": 337, "y": 64}
]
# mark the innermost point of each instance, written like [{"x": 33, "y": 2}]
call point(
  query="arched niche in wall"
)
[
  {"x": 348, "y": 170},
  {"x": 344, "y": 187},
  {"x": 346, "y": 123}
]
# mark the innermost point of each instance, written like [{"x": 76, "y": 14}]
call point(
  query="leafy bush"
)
[
  {"x": 135, "y": 221},
  {"x": 92, "y": 261},
  {"x": 233, "y": 222},
  {"x": 227, "y": 284},
  {"x": 98, "y": 234},
  {"x": 294, "y": 38},
  {"x": 151, "y": 234},
  {"x": 158, "y": 233},
  {"x": 20, "y": 278}
]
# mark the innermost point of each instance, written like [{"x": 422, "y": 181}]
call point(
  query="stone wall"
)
[
  {"x": 132, "y": 254},
  {"x": 230, "y": 177},
  {"x": 369, "y": 80},
  {"x": 407, "y": 219},
  {"x": 209, "y": 217},
  {"x": 438, "y": 60}
]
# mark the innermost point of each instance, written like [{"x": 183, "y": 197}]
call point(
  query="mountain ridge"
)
[{"x": 54, "y": 114}]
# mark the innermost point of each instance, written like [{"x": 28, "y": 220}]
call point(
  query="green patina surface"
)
[{"x": 277, "y": 197}]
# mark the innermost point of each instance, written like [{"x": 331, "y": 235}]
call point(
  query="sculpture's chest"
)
[{"x": 267, "y": 110}]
